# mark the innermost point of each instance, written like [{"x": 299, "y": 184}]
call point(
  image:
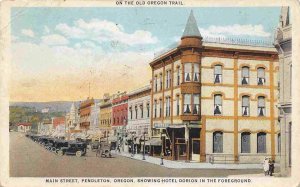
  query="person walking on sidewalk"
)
[
  {"x": 266, "y": 166},
  {"x": 271, "y": 167}
]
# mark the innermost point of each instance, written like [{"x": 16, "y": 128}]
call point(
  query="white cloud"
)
[
  {"x": 27, "y": 32},
  {"x": 54, "y": 39},
  {"x": 105, "y": 31},
  {"x": 235, "y": 30}
]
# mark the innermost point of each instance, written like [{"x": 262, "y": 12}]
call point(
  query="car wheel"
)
[
  {"x": 78, "y": 153},
  {"x": 60, "y": 153}
]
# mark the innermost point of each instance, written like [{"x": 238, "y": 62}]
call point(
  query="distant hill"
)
[{"x": 57, "y": 106}]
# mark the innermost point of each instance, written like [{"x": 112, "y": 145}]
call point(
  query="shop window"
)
[
  {"x": 261, "y": 142},
  {"x": 218, "y": 142},
  {"x": 217, "y": 104},
  {"x": 261, "y": 106},
  {"x": 261, "y": 76},
  {"x": 196, "y": 104},
  {"x": 217, "y": 74},
  {"x": 187, "y": 103},
  {"x": 188, "y": 72},
  {"x": 245, "y": 75},
  {"x": 245, "y": 105},
  {"x": 245, "y": 142}
]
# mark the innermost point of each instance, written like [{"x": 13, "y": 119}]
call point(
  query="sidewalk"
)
[{"x": 191, "y": 165}]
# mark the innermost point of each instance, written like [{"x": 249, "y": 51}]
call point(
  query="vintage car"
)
[
  {"x": 104, "y": 150},
  {"x": 74, "y": 148},
  {"x": 49, "y": 143},
  {"x": 59, "y": 145}
]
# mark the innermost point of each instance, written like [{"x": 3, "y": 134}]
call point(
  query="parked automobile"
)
[
  {"x": 74, "y": 148},
  {"x": 59, "y": 145}
]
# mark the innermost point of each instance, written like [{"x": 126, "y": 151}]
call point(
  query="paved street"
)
[{"x": 28, "y": 159}]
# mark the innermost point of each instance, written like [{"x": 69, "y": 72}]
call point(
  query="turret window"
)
[
  {"x": 188, "y": 72},
  {"x": 196, "y": 72},
  {"x": 187, "y": 104}
]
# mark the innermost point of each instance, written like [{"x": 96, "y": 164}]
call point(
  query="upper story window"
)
[
  {"x": 142, "y": 110},
  {"x": 136, "y": 112},
  {"x": 155, "y": 82},
  {"x": 196, "y": 72},
  {"x": 160, "y": 108},
  {"x": 187, "y": 103},
  {"x": 261, "y": 106},
  {"x": 188, "y": 72},
  {"x": 245, "y": 105},
  {"x": 178, "y": 76},
  {"x": 261, "y": 76},
  {"x": 217, "y": 74},
  {"x": 130, "y": 110},
  {"x": 245, "y": 75},
  {"x": 168, "y": 106},
  {"x": 148, "y": 110},
  {"x": 177, "y": 105},
  {"x": 196, "y": 104},
  {"x": 155, "y": 108},
  {"x": 218, "y": 104},
  {"x": 168, "y": 79},
  {"x": 160, "y": 82}
]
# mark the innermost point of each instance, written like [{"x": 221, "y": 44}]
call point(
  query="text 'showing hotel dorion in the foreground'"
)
[{"x": 214, "y": 101}]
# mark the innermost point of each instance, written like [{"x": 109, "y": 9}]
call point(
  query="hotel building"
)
[{"x": 215, "y": 102}]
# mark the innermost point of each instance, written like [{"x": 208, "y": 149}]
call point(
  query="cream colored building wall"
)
[
  {"x": 207, "y": 61},
  {"x": 207, "y": 107}
]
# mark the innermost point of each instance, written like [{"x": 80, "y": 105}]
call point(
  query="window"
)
[
  {"x": 261, "y": 76},
  {"x": 218, "y": 74},
  {"x": 245, "y": 142},
  {"x": 167, "y": 79},
  {"x": 148, "y": 110},
  {"x": 136, "y": 112},
  {"x": 187, "y": 72},
  {"x": 177, "y": 105},
  {"x": 217, "y": 104},
  {"x": 278, "y": 143},
  {"x": 196, "y": 72},
  {"x": 130, "y": 109},
  {"x": 178, "y": 76},
  {"x": 187, "y": 103},
  {"x": 245, "y": 75},
  {"x": 218, "y": 142},
  {"x": 168, "y": 99},
  {"x": 160, "y": 108},
  {"x": 261, "y": 106},
  {"x": 160, "y": 80},
  {"x": 245, "y": 105},
  {"x": 155, "y": 109},
  {"x": 196, "y": 105},
  {"x": 261, "y": 142},
  {"x": 142, "y": 111},
  {"x": 155, "y": 80}
]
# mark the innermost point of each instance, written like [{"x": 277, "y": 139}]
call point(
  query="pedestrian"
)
[
  {"x": 266, "y": 166},
  {"x": 119, "y": 150},
  {"x": 271, "y": 167}
]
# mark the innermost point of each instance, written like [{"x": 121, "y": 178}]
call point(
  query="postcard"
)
[{"x": 149, "y": 92}]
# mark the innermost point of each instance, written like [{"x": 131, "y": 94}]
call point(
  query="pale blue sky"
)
[{"x": 62, "y": 50}]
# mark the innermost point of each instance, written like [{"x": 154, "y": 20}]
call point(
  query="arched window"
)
[
  {"x": 142, "y": 110},
  {"x": 261, "y": 142},
  {"x": 168, "y": 106},
  {"x": 261, "y": 106},
  {"x": 177, "y": 105},
  {"x": 136, "y": 112},
  {"x": 245, "y": 142},
  {"x": 155, "y": 108},
  {"x": 155, "y": 80},
  {"x": 160, "y": 81},
  {"x": 218, "y": 142},
  {"x": 217, "y": 104},
  {"x": 160, "y": 108},
  {"x": 245, "y": 105},
  {"x": 130, "y": 110},
  {"x": 178, "y": 76},
  {"x": 148, "y": 110},
  {"x": 217, "y": 74},
  {"x": 261, "y": 76},
  {"x": 245, "y": 75}
]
